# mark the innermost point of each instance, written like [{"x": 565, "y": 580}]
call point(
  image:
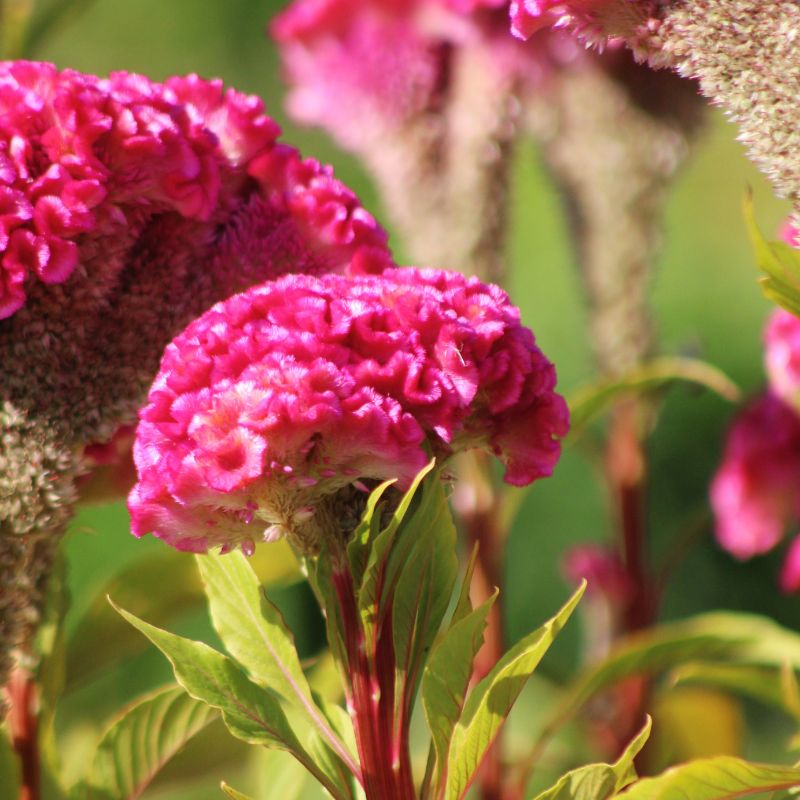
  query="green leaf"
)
[
  {"x": 138, "y": 744},
  {"x": 724, "y": 636},
  {"x": 366, "y": 530},
  {"x": 232, "y": 793},
  {"x": 589, "y": 402},
  {"x": 425, "y": 564},
  {"x": 250, "y": 712},
  {"x": 768, "y": 685},
  {"x": 446, "y": 678},
  {"x": 255, "y": 634},
  {"x": 779, "y": 261},
  {"x": 163, "y": 585},
  {"x": 491, "y": 700},
  {"x": 9, "y": 767},
  {"x": 369, "y": 593},
  {"x": 599, "y": 781},
  {"x": 280, "y": 777},
  {"x": 719, "y": 778}
]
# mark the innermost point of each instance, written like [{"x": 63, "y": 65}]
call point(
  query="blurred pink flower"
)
[
  {"x": 285, "y": 394},
  {"x": 85, "y": 161},
  {"x": 782, "y": 356},
  {"x": 754, "y": 494},
  {"x": 360, "y": 68}
]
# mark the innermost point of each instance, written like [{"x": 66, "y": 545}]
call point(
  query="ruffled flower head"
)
[
  {"x": 279, "y": 398},
  {"x": 754, "y": 494},
  {"x": 87, "y": 162}
]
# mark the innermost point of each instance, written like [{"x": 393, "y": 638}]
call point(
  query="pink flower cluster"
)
[
  {"x": 84, "y": 158},
  {"x": 755, "y": 494},
  {"x": 360, "y": 68},
  {"x": 285, "y": 394}
]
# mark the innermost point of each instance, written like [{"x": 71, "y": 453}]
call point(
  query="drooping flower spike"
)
[{"x": 278, "y": 398}]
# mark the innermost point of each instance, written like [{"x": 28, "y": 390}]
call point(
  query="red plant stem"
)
[
  {"x": 383, "y": 751},
  {"x": 627, "y": 474},
  {"x": 24, "y": 729}
]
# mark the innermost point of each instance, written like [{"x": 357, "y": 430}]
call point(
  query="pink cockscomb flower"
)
[
  {"x": 364, "y": 68},
  {"x": 86, "y": 161},
  {"x": 782, "y": 356},
  {"x": 277, "y": 399},
  {"x": 754, "y": 494},
  {"x": 595, "y": 21}
]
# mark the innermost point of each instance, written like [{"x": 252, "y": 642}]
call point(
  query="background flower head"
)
[{"x": 281, "y": 396}]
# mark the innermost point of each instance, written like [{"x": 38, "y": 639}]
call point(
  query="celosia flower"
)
[
  {"x": 754, "y": 494},
  {"x": 127, "y": 208},
  {"x": 278, "y": 398},
  {"x": 83, "y": 159},
  {"x": 782, "y": 356},
  {"x": 361, "y": 68}
]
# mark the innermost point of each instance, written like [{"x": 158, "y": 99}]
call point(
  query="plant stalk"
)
[{"x": 23, "y": 724}]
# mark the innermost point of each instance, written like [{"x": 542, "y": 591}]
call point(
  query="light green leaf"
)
[
  {"x": 425, "y": 564},
  {"x": 724, "y": 636},
  {"x": 255, "y": 634},
  {"x": 769, "y": 685},
  {"x": 366, "y": 530},
  {"x": 446, "y": 678},
  {"x": 779, "y": 261},
  {"x": 250, "y": 712},
  {"x": 138, "y": 744},
  {"x": 163, "y": 585},
  {"x": 280, "y": 777},
  {"x": 9, "y": 768},
  {"x": 599, "y": 781},
  {"x": 232, "y": 793},
  {"x": 368, "y": 592},
  {"x": 720, "y": 778},
  {"x": 589, "y": 402},
  {"x": 490, "y": 701}
]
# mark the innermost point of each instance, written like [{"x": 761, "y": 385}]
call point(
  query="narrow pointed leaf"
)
[
  {"x": 367, "y": 528},
  {"x": 256, "y": 635},
  {"x": 139, "y": 743},
  {"x": 368, "y": 592},
  {"x": 599, "y": 781},
  {"x": 447, "y": 676},
  {"x": 427, "y": 569},
  {"x": 719, "y": 778},
  {"x": 232, "y": 793},
  {"x": 250, "y": 712},
  {"x": 591, "y": 401},
  {"x": 779, "y": 262},
  {"x": 490, "y": 701}
]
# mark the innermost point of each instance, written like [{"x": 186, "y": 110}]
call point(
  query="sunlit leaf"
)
[
  {"x": 720, "y": 778},
  {"x": 255, "y": 634},
  {"x": 250, "y": 712},
  {"x": 778, "y": 261},
  {"x": 232, "y": 793},
  {"x": 489, "y": 703},
  {"x": 591, "y": 401},
  {"x": 138, "y": 744},
  {"x": 447, "y": 675},
  {"x": 599, "y": 781}
]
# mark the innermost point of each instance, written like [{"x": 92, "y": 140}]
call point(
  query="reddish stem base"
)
[{"x": 24, "y": 727}]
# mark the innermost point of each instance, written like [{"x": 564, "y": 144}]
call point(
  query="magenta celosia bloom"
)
[
  {"x": 361, "y": 68},
  {"x": 754, "y": 494},
  {"x": 281, "y": 396},
  {"x": 782, "y": 355},
  {"x": 85, "y": 160}
]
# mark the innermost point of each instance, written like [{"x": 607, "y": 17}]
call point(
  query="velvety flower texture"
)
[
  {"x": 279, "y": 397},
  {"x": 83, "y": 158},
  {"x": 754, "y": 494}
]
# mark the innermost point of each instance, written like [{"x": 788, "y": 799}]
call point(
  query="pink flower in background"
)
[
  {"x": 754, "y": 494},
  {"x": 361, "y": 68},
  {"x": 86, "y": 161},
  {"x": 782, "y": 355},
  {"x": 280, "y": 397}
]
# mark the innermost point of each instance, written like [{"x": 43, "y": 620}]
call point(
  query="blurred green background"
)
[{"x": 706, "y": 303}]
